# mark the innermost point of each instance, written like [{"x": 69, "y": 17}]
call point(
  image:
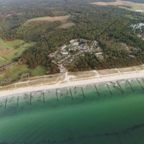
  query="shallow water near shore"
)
[{"x": 105, "y": 113}]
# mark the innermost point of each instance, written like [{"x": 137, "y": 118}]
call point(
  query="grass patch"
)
[
  {"x": 2, "y": 60},
  {"x": 16, "y": 72},
  {"x": 67, "y": 25},
  {"x": 12, "y": 44},
  {"x": 18, "y": 52},
  {"x": 40, "y": 70},
  {"x": 51, "y": 19},
  {"x": 2, "y": 76}
]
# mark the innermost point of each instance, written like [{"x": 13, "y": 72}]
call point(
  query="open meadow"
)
[
  {"x": 50, "y": 19},
  {"x": 2, "y": 60},
  {"x": 139, "y": 7},
  {"x": 11, "y": 44},
  {"x": 18, "y": 52},
  {"x": 16, "y": 71},
  {"x": 67, "y": 25},
  {"x": 40, "y": 70}
]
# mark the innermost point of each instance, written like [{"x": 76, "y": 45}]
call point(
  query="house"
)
[
  {"x": 95, "y": 42},
  {"x": 139, "y": 36},
  {"x": 83, "y": 46},
  {"x": 132, "y": 56},
  {"x": 97, "y": 54},
  {"x": 70, "y": 45},
  {"x": 59, "y": 61},
  {"x": 71, "y": 41},
  {"x": 63, "y": 46},
  {"x": 98, "y": 49},
  {"x": 64, "y": 52},
  {"x": 76, "y": 43},
  {"x": 52, "y": 54},
  {"x": 58, "y": 55},
  {"x": 73, "y": 48}
]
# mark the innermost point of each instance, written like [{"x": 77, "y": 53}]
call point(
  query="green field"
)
[
  {"x": 12, "y": 44},
  {"x": 2, "y": 60},
  {"x": 2, "y": 76},
  {"x": 40, "y": 70},
  {"x": 18, "y": 52},
  {"x": 16, "y": 72}
]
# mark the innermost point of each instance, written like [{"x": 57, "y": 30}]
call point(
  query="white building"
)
[
  {"x": 71, "y": 41},
  {"x": 64, "y": 52},
  {"x": 76, "y": 43},
  {"x": 63, "y": 46}
]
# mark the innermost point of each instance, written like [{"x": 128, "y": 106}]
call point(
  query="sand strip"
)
[{"x": 67, "y": 83}]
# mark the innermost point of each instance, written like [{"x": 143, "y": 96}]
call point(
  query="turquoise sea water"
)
[{"x": 106, "y": 113}]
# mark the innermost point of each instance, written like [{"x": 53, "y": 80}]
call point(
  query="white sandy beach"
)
[{"x": 67, "y": 83}]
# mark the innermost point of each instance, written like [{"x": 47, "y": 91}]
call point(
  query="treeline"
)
[
  {"x": 35, "y": 57},
  {"x": 108, "y": 25},
  {"x": 90, "y": 62}
]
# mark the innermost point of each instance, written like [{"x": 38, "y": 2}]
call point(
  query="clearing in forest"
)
[
  {"x": 40, "y": 70},
  {"x": 51, "y": 19},
  {"x": 10, "y": 44},
  {"x": 139, "y": 7},
  {"x": 67, "y": 25},
  {"x": 18, "y": 52}
]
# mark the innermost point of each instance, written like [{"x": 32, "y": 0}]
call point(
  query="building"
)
[
  {"x": 52, "y": 54},
  {"x": 58, "y": 55},
  {"x": 63, "y": 46},
  {"x": 95, "y": 42},
  {"x": 83, "y": 46},
  {"x": 76, "y": 43},
  {"x": 73, "y": 48},
  {"x": 64, "y": 52},
  {"x": 132, "y": 56},
  {"x": 71, "y": 41},
  {"x": 97, "y": 54}
]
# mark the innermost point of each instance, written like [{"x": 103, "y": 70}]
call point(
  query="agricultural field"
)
[
  {"x": 18, "y": 52},
  {"x": 40, "y": 70},
  {"x": 10, "y": 44},
  {"x": 50, "y": 19},
  {"x": 139, "y": 7}
]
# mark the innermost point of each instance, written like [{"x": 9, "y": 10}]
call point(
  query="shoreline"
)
[{"x": 66, "y": 83}]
